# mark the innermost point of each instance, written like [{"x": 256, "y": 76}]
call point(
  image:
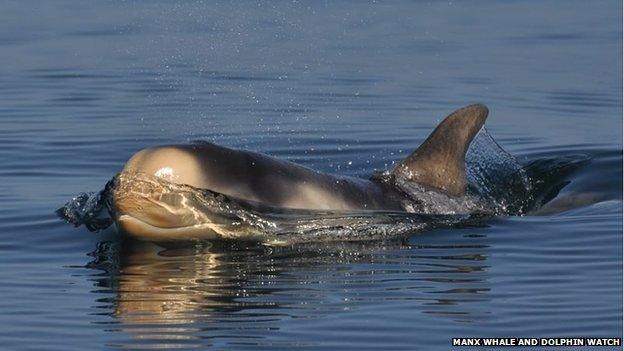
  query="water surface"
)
[{"x": 341, "y": 87}]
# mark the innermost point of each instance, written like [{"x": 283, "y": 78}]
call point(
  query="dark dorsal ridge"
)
[{"x": 439, "y": 162}]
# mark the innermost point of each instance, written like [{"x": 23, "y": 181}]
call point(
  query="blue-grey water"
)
[{"x": 344, "y": 87}]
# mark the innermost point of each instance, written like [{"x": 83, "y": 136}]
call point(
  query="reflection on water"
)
[{"x": 182, "y": 296}]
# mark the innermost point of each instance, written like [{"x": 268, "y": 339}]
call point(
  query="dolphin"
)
[{"x": 437, "y": 164}]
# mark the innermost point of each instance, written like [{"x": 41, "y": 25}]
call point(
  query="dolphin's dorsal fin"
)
[{"x": 439, "y": 162}]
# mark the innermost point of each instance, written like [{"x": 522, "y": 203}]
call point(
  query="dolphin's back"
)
[{"x": 256, "y": 177}]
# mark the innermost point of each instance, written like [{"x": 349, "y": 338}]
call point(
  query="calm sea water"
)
[{"x": 345, "y": 87}]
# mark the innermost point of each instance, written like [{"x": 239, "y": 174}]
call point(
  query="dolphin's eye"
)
[{"x": 165, "y": 173}]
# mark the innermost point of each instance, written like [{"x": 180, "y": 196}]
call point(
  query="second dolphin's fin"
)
[{"x": 439, "y": 162}]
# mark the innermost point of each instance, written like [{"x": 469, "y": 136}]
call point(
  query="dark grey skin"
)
[{"x": 438, "y": 163}]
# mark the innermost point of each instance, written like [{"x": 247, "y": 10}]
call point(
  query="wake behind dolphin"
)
[{"x": 204, "y": 191}]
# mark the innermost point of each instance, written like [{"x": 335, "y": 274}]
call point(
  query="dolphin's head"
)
[
  {"x": 150, "y": 202},
  {"x": 150, "y": 208}
]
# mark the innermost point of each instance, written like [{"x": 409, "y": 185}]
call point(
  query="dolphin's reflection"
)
[
  {"x": 193, "y": 295},
  {"x": 171, "y": 285}
]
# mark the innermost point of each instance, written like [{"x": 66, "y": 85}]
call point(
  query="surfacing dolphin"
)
[{"x": 262, "y": 181}]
